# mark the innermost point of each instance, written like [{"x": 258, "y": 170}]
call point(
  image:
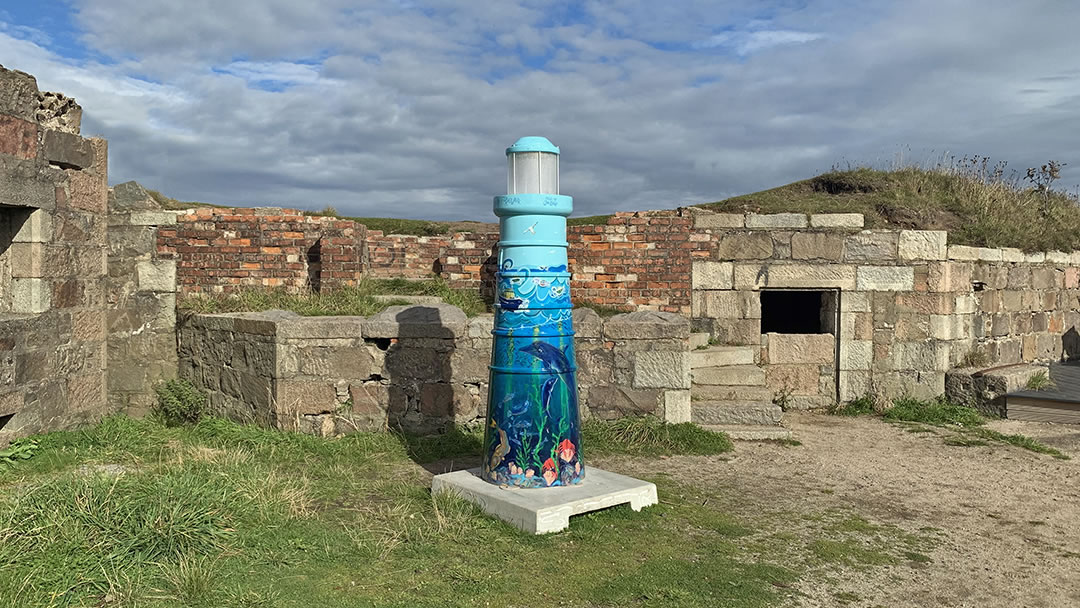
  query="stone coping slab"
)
[{"x": 546, "y": 510}]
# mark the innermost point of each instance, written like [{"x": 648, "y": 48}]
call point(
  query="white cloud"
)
[
  {"x": 388, "y": 109},
  {"x": 745, "y": 43}
]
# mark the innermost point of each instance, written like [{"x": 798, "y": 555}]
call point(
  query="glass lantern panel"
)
[
  {"x": 549, "y": 173},
  {"x": 526, "y": 172},
  {"x": 510, "y": 174}
]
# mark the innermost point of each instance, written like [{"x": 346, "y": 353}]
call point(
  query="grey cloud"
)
[{"x": 405, "y": 120}]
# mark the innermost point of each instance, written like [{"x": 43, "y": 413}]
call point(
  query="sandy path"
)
[{"x": 1009, "y": 518}]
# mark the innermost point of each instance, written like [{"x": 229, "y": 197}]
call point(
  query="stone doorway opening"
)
[
  {"x": 11, "y": 224},
  {"x": 800, "y": 311}
]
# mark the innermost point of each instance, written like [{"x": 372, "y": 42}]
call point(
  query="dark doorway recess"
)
[{"x": 798, "y": 311}]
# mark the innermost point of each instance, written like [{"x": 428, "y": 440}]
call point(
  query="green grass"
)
[
  {"x": 221, "y": 514},
  {"x": 357, "y": 300},
  {"x": 172, "y": 204},
  {"x": 964, "y": 196},
  {"x": 1040, "y": 382},
  {"x": 862, "y": 406},
  {"x": 936, "y": 412},
  {"x": 633, "y": 436},
  {"x": 605, "y": 311},
  {"x": 961, "y": 426},
  {"x": 650, "y": 436},
  {"x": 1021, "y": 441},
  {"x": 590, "y": 220}
]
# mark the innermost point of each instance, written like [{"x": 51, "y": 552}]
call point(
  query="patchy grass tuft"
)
[
  {"x": 179, "y": 402},
  {"x": 961, "y": 426},
  {"x": 605, "y": 311},
  {"x": 1040, "y": 382},
  {"x": 647, "y": 435},
  {"x": 357, "y": 300},
  {"x": 589, "y": 220},
  {"x": 1022, "y": 441},
  {"x": 863, "y": 406},
  {"x": 937, "y": 412}
]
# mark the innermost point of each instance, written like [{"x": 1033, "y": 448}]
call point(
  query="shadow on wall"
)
[
  {"x": 487, "y": 275},
  {"x": 1070, "y": 344},
  {"x": 437, "y": 381},
  {"x": 313, "y": 257}
]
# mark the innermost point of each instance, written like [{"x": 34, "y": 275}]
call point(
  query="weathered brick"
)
[
  {"x": 822, "y": 276},
  {"x": 18, "y": 138},
  {"x": 922, "y": 245},
  {"x": 754, "y": 246},
  {"x": 817, "y": 246},
  {"x": 837, "y": 220},
  {"x": 712, "y": 275},
  {"x": 871, "y": 246},
  {"x": 885, "y": 278}
]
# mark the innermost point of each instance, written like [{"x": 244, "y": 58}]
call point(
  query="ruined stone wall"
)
[
  {"x": 141, "y": 298},
  {"x": 226, "y": 250},
  {"x": 910, "y": 306},
  {"x": 420, "y": 368},
  {"x": 637, "y": 261},
  {"x": 53, "y": 189}
]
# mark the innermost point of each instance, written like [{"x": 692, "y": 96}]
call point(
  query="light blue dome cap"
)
[{"x": 533, "y": 143}]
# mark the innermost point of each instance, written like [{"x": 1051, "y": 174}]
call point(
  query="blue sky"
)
[{"x": 404, "y": 107}]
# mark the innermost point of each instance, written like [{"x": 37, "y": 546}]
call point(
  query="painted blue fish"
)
[
  {"x": 515, "y": 409},
  {"x": 554, "y": 360},
  {"x": 555, "y": 363}
]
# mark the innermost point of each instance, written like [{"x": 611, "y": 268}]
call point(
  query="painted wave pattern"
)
[{"x": 533, "y": 435}]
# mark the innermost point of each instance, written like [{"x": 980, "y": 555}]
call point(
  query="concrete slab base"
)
[{"x": 545, "y": 510}]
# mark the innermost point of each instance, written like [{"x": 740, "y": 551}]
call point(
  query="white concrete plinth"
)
[{"x": 544, "y": 510}]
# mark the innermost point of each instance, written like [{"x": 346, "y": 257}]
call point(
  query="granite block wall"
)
[
  {"x": 419, "y": 368},
  {"x": 53, "y": 188},
  {"x": 141, "y": 300},
  {"x": 910, "y": 306}
]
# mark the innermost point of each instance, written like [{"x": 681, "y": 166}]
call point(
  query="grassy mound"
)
[{"x": 977, "y": 204}]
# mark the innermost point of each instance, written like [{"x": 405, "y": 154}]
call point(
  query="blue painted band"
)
[
  {"x": 532, "y": 143},
  {"x": 539, "y": 204},
  {"x": 524, "y": 274},
  {"x": 513, "y": 370}
]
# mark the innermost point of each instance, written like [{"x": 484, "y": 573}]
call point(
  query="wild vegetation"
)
[
  {"x": 980, "y": 204},
  {"x": 359, "y": 300},
  {"x": 959, "y": 425},
  {"x": 136, "y": 513},
  {"x": 389, "y": 225}
]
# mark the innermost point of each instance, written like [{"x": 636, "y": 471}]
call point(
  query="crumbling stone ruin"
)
[
  {"x": 53, "y": 191},
  {"x": 730, "y": 318}
]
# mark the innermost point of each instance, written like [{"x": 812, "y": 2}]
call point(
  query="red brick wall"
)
[
  {"x": 638, "y": 260},
  {"x": 224, "y": 250}
]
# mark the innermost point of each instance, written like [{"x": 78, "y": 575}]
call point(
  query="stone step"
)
[
  {"x": 735, "y": 412},
  {"x": 729, "y": 375},
  {"x": 721, "y": 356},
  {"x": 699, "y": 339},
  {"x": 719, "y": 392},
  {"x": 742, "y": 432}
]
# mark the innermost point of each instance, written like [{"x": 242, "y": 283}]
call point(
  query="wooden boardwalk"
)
[{"x": 1058, "y": 403}]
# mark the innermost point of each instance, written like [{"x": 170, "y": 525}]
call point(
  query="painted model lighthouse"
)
[{"x": 533, "y": 436}]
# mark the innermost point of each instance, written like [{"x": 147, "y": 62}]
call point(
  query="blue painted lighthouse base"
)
[{"x": 550, "y": 510}]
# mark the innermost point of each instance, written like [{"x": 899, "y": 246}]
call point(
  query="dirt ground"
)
[{"x": 1008, "y": 520}]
